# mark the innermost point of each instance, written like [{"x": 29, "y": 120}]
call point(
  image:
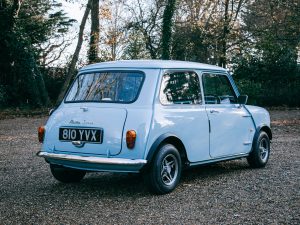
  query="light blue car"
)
[{"x": 152, "y": 117}]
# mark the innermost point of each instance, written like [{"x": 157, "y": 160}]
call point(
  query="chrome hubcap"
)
[
  {"x": 264, "y": 149},
  {"x": 169, "y": 169}
]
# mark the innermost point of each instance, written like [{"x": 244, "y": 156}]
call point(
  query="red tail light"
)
[
  {"x": 130, "y": 139},
  {"x": 41, "y": 133}
]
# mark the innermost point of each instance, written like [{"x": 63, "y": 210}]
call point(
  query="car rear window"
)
[{"x": 111, "y": 86}]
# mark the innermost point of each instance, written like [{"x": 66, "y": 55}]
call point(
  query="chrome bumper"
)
[{"x": 117, "y": 162}]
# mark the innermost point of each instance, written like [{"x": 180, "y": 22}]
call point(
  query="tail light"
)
[
  {"x": 130, "y": 139},
  {"x": 41, "y": 133}
]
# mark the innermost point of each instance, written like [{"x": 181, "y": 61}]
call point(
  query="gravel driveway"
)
[{"x": 224, "y": 193}]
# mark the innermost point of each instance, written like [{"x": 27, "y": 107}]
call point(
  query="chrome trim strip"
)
[
  {"x": 238, "y": 156},
  {"x": 246, "y": 116},
  {"x": 91, "y": 159}
]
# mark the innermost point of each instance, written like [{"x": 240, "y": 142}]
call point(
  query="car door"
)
[
  {"x": 231, "y": 125},
  {"x": 180, "y": 111}
]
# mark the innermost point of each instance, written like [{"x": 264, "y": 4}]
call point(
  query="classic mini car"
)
[{"x": 152, "y": 117}]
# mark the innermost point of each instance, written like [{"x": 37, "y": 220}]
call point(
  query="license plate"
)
[{"x": 81, "y": 134}]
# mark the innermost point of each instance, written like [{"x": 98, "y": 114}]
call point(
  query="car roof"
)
[{"x": 151, "y": 64}]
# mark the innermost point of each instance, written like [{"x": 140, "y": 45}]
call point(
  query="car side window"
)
[
  {"x": 180, "y": 87},
  {"x": 218, "y": 89}
]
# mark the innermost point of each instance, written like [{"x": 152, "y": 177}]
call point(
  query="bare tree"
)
[
  {"x": 147, "y": 19},
  {"x": 231, "y": 12},
  {"x": 71, "y": 69},
  {"x": 216, "y": 22},
  {"x": 52, "y": 51}
]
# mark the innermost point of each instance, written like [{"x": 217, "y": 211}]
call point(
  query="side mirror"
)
[{"x": 242, "y": 99}]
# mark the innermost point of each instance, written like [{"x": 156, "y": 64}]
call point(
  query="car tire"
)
[
  {"x": 66, "y": 175},
  {"x": 260, "y": 153},
  {"x": 165, "y": 170}
]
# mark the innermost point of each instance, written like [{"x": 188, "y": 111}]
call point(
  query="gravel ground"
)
[{"x": 224, "y": 193}]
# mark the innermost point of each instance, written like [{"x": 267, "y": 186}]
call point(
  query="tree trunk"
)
[
  {"x": 167, "y": 28},
  {"x": 71, "y": 69},
  {"x": 94, "y": 38},
  {"x": 223, "y": 60}
]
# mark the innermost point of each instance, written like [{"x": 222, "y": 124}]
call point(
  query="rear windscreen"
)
[{"x": 119, "y": 87}]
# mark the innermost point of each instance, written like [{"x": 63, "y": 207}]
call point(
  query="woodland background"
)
[{"x": 257, "y": 40}]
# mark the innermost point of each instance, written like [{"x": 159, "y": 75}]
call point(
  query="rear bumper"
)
[{"x": 94, "y": 163}]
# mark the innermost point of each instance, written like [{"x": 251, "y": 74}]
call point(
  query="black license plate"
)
[{"x": 81, "y": 134}]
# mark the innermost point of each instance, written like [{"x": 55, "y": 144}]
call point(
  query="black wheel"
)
[
  {"x": 165, "y": 170},
  {"x": 66, "y": 175},
  {"x": 261, "y": 151}
]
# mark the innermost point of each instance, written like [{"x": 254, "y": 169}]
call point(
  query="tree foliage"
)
[
  {"x": 24, "y": 26},
  {"x": 269, "y": 62},
  {"x": 167, "y": 28},
  {"x": 258, "y": 40}
]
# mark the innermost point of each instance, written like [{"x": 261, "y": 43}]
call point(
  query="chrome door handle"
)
[
  {"x": 84, "y": 109},
  {"x": 214, "y": 111},
  {"x": 247, "y": 115}
]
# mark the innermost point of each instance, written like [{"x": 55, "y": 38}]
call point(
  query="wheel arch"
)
[
  {"x": 266, "y": 129},
  {"x": 168, "y": 138}
]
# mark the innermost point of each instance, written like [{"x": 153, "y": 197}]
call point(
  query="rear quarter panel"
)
[
  {"x": 139, "y": 116},
  {"x": 138, "y": 119}
]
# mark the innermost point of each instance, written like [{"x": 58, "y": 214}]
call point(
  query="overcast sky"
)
[{"x": 74, "y": 10}]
